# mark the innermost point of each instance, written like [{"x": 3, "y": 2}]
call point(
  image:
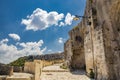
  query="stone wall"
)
[
  {"x": 102, "y": 41},
  {"x": 101, "y": 38},
  {"x": 34, "y": 68},
  {"x": 6, "y": 70},
  {"x": 29, "y": 67},
  {"x": 74, "y": 48},
  {"x": 77, "y": 38},
  {"x": 68, "y": 52}
]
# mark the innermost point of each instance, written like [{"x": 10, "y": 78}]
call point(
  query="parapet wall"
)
[
  {"x": 6, "y": 70},
  {"x": 102, "y": 39},
  {"x": 34, "y": 68},
  {"x": 29, "y": 67}
]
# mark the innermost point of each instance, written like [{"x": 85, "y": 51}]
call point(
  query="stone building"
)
[{"x": 101, "y": 39}]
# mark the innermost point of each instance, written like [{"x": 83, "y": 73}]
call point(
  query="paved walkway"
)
[{"x": 75, "y": 75}]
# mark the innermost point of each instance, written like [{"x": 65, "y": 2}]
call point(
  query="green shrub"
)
[
  {"x": 92, "y": 74},
  {"x": 63, "y": 66}
]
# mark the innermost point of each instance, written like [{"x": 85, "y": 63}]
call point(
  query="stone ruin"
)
[
  {"x": 100, "y": 43},
  {"x": 6, "y": 70}
]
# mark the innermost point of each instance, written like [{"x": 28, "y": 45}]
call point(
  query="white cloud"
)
[
  {"x": 14, "y": 36},
  {"x": 60, "y": 40},
  {"x": 62, "y": 24},
  {"x": 49, "y": 50},
  {"x": 4, "y": 41},
  {"x": 11, "y": 52},
  {"x": 41, "y": 19},
  {"x": 68, "y": 19}
]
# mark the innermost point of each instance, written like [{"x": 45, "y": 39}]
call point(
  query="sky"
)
[{"x": 35, "y": 27}]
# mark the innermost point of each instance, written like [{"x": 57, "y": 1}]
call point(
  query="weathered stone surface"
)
[
  {"x": 104, "y": 40},
  {"x": 101, "y": 39},
  {"x": 74, "y": 48}
]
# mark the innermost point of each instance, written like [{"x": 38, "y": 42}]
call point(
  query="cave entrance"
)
[{"x": 78, "y": 59}]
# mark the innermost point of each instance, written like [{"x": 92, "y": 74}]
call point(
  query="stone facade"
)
[{"x": 101, "y": 39}]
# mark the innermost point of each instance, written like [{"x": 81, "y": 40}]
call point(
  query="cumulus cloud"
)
[
  {"x": 41, "y": 19},
  {"x": 11, "y": 52},
  {"x": 14, "y": 36},
  {"x": 4, "y": 41},
  {"x": 60, "y": 40},
  {"x": 49, "y": 50},
  {"x": 62, "y": 24},
  {"x": 68, "y": 19}
]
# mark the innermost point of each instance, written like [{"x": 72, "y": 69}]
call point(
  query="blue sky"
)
[{"x": 30, "y": 27}]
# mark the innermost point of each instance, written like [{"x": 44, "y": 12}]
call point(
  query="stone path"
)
[
  {"x": 54, "y": 68},
  {"x": 75, "y": 75}
]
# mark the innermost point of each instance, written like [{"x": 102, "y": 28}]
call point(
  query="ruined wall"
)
[
  {"x": 68, "y": 52},
  {"x": 102, "y": 39},
  {"x": 29, "y": 67},
  {"x": 34, "y": 68},
  {"x": 6, "y": 70},
  {"x": 77, "y": 44},
  {"x": 99, "y": 39}
]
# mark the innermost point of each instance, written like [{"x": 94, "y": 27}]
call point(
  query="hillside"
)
[{"x": 20, "y": 61}]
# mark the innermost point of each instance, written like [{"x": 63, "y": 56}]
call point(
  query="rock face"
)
[
  {"x": 101, "y": 39},
  {"x": 104, "y": 39}
]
